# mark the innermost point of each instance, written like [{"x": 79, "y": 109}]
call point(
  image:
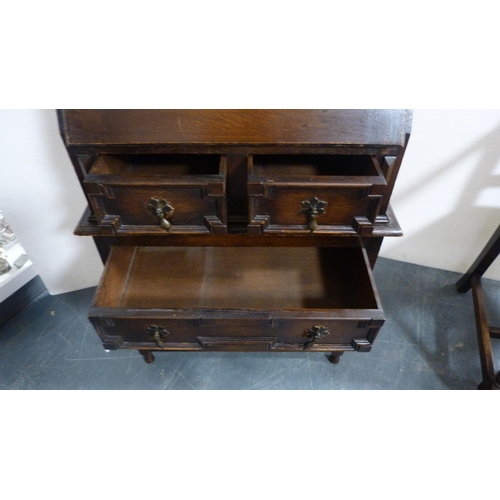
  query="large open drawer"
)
[{"x": 237, "y": 298}]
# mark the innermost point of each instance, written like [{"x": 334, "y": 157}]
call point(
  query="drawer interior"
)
[
  {"x": 260, "y": 278},
  {"x": 276, "y": 166},
  {"x": 157, "y": 164}
]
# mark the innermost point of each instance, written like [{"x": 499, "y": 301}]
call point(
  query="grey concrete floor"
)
[{"x": 427, "y": 342}]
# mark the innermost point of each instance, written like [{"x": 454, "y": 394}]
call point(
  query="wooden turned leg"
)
[
  {"x": 147, "y": 355},
  {"x": 335, "y": 357}
]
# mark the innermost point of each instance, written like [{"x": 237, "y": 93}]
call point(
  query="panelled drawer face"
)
[
  {"x": 159, "y": 194},
  {"x": 277, "y": 334},
  {"x": 237, "y": 299},
  {"x": 328, "y": 194}
]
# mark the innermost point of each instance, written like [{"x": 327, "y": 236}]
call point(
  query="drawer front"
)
[
  {"x": 238, "y": 335},
  {"x": 331, "y": 210},
  {"x": 159, "y": 194},
  {"x": 328, "y": 194},
  {"x": 160, "y": 208}
]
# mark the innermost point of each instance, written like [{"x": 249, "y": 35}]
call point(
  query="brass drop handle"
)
[
  {"x": 163, "y": 210},
  {"x": 312, "y": 208},
  {"x": 315, "y": 333},
  {"x": 158, "y": 334}
]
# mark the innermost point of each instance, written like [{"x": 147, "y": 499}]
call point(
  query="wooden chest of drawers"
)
[{"x": 237, "y": 230}]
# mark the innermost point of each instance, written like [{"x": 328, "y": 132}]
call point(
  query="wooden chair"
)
[{"x": 472, "y": 279}]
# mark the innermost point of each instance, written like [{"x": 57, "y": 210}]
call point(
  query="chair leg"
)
[
  {"x": 481, "y": 264},
  {"x": 483, "y": 335}
]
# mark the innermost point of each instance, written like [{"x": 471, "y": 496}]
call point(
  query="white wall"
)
[
  {"x": 42, "y": 200},
  {"x": 447, "y": 197}
]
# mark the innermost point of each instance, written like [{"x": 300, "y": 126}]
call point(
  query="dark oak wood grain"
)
[
  {"x": 237, "y": 277},
  {"x": 212, "y": 227},
  {"x": 333, "y": 128},
  {"x": 89, "y": 227}
]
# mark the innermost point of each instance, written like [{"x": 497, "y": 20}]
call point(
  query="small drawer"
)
[
  {"x": 327, "y": 194},
  {"x": 237, "y": 299},
  {"x": 159, "y": 194}
]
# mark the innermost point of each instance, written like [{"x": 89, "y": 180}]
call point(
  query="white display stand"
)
[{"x": 16, "y": 278}]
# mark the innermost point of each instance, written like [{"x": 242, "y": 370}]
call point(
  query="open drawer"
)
[
  {"x": 158, "y": 194},
  {"x": 237, "y": 298},
  {"x": 327, "y": 194}
]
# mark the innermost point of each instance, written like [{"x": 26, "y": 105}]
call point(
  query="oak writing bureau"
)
[{"x": 237, "y": 230}]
